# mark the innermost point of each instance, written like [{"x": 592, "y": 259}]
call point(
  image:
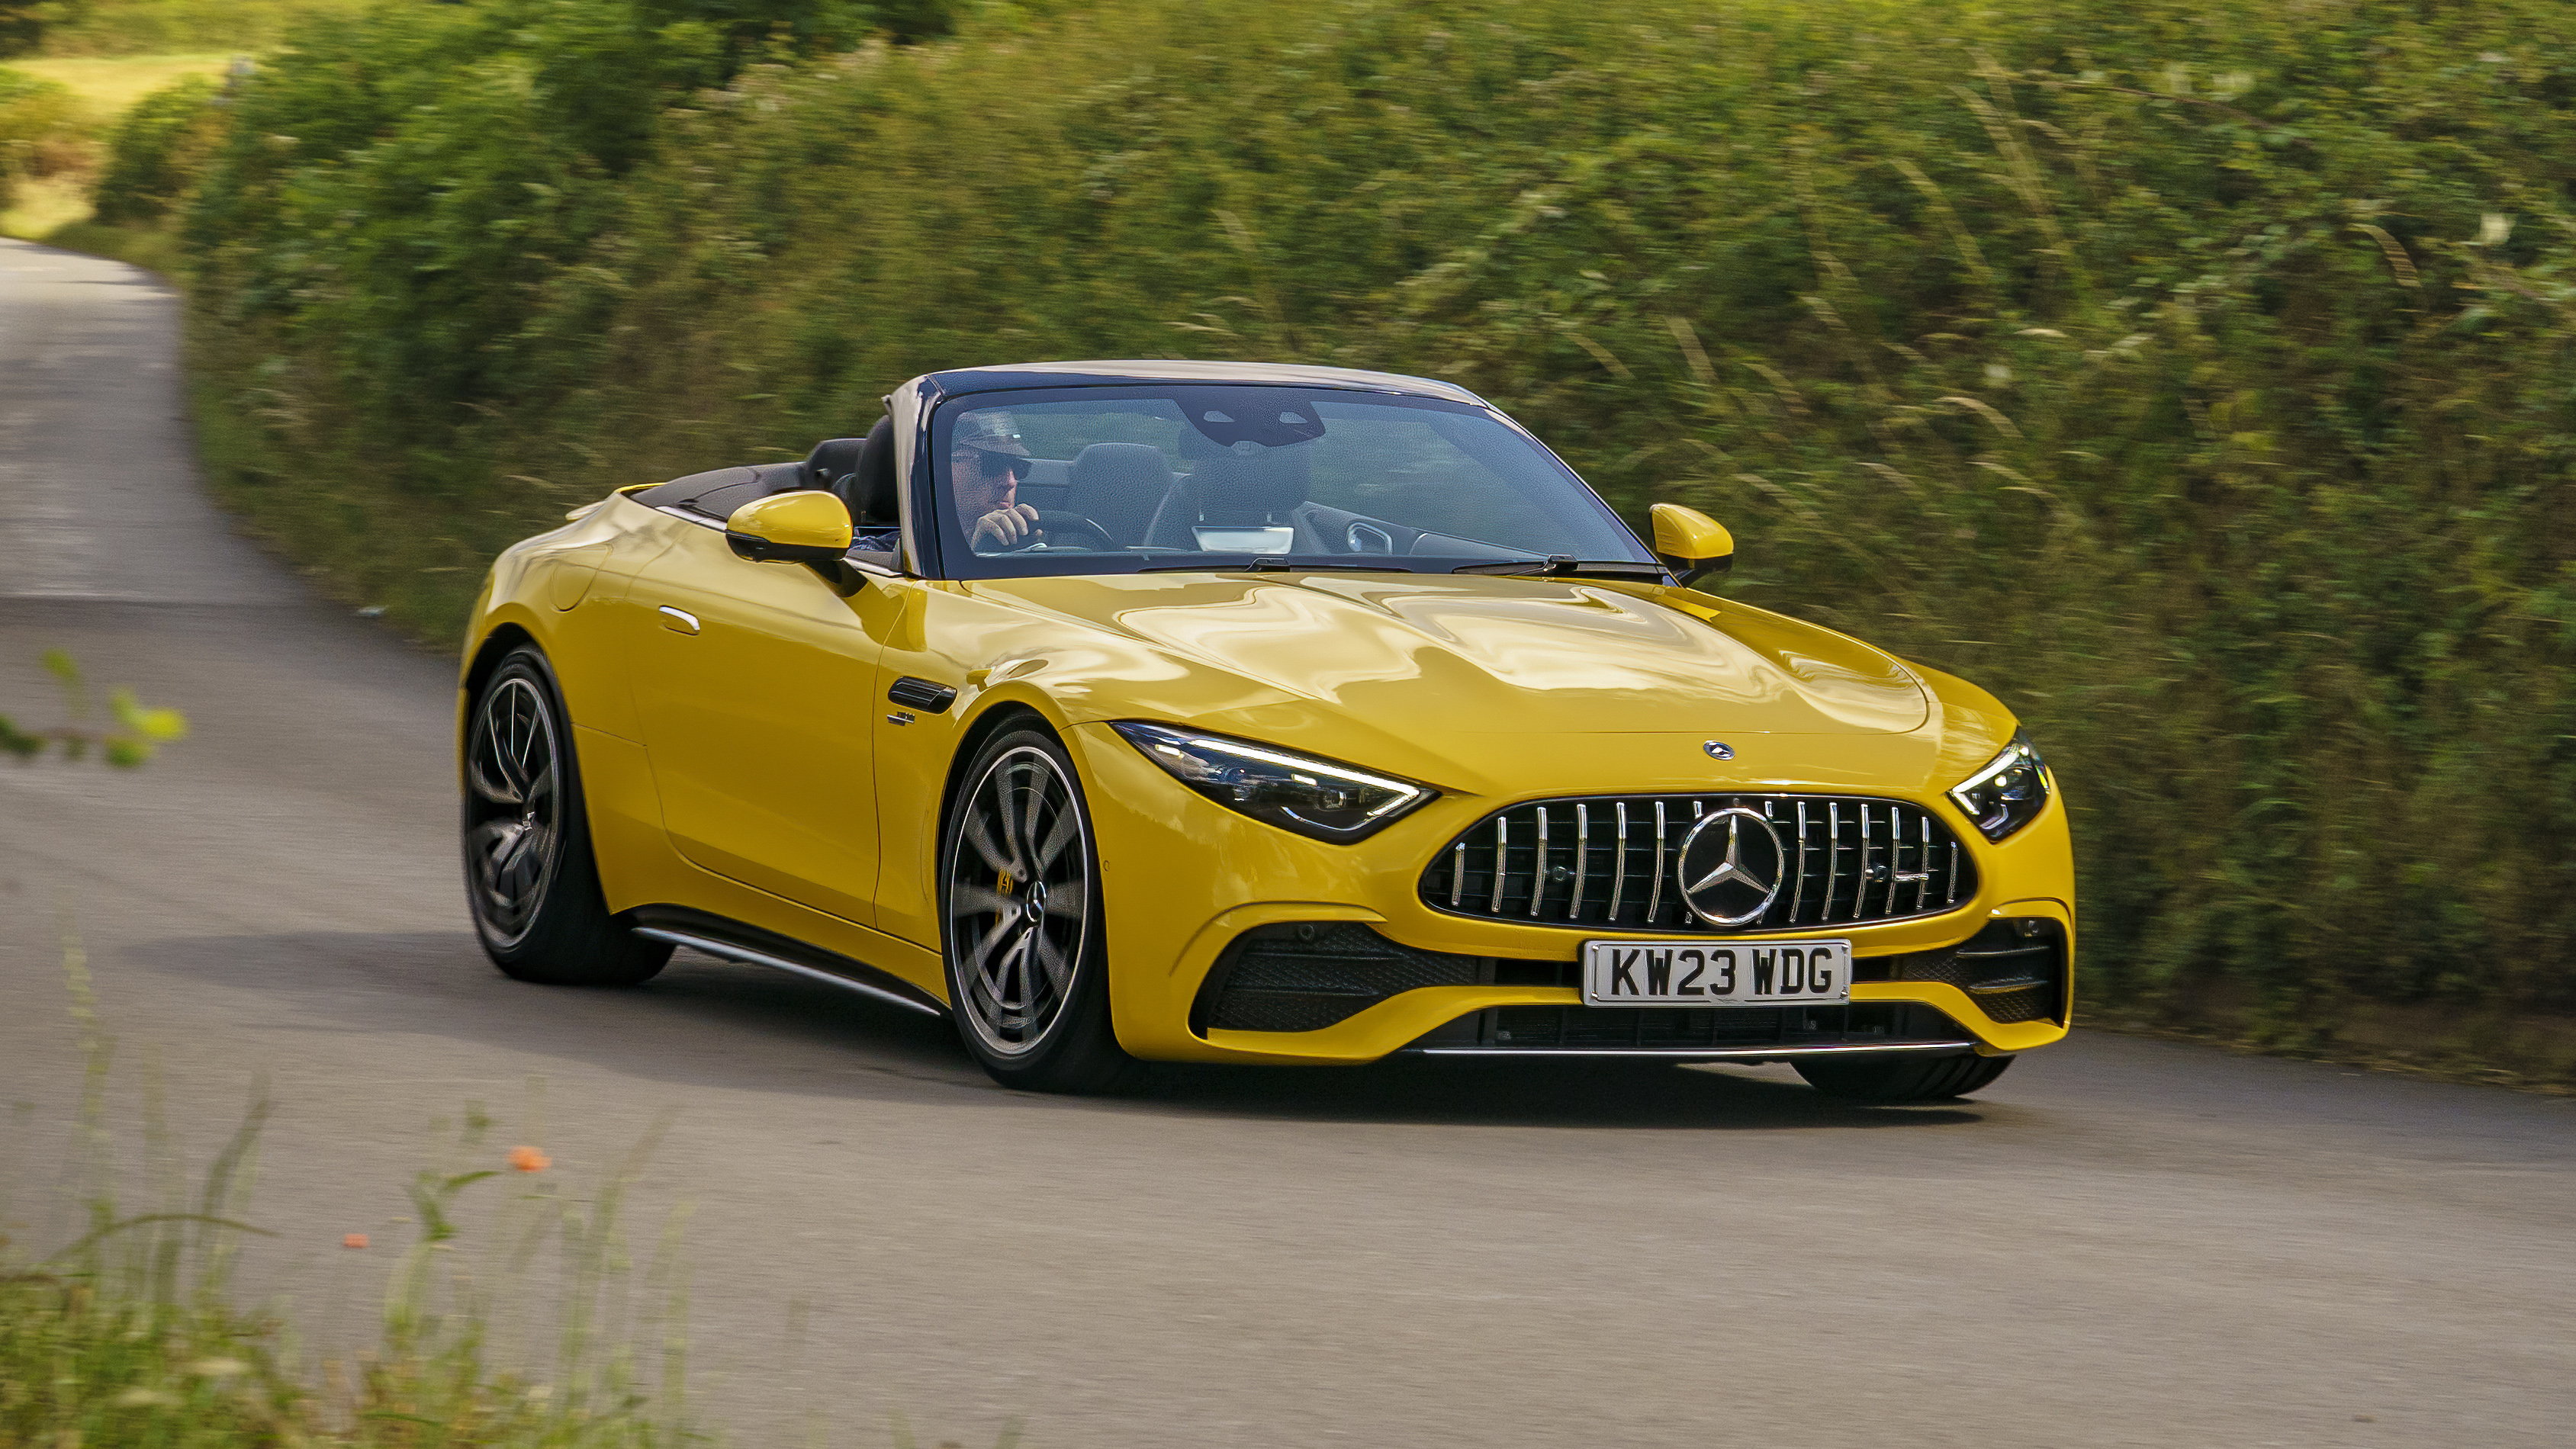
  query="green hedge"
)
[
  {"x": 39, "y": 120},
  {"x": 2196, "y": 375},
  {"x": 157, "y": 151}
]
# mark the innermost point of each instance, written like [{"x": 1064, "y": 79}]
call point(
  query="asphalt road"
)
[{"x": 2125, "y": 1242}]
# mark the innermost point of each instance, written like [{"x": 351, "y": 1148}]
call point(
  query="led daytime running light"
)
[
  {"x": 1295, "y": 792},
  {"x": 1406, "y": 792}
]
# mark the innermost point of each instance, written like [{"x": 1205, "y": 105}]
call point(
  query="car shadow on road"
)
[
  {"x": 709, "y": 1023},
  {"x": 1525, "y": 1094}
]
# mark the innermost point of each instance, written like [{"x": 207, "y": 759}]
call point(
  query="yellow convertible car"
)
[{"x": 1208, "y": 712}]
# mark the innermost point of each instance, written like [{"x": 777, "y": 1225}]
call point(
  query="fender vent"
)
[{"x": 921, "y": 694}]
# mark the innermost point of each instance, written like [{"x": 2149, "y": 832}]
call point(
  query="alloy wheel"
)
[
  {"x": 1019, "y": 889},
  {"x": 513, "y": 807}
]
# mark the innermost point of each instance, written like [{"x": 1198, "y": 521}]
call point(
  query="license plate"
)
[{"x": 1708, "y": 973}]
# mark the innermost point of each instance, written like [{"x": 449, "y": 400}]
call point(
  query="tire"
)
[
  {"x": 1889, "y": 1080},
  {"x": 1020, "y": 917},
  {"x": 531, "y": 880}
]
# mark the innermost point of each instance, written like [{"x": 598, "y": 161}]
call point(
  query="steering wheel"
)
[{"x": 1056, "y": 525}]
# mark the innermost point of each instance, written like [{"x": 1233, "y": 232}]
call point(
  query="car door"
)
[
  {"x": 917, "y": 734},
  {"x": 753, "y": 690}
]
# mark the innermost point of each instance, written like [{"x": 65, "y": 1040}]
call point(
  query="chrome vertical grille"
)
[{"x": 1554, "y": 862}]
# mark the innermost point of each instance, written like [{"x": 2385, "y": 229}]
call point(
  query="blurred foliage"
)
[
  {"x": 157, "y": 151},
  {"x": 21, "y": 26},
  {"x": 40, "y": 127},
  {"x": 135, "y": 734},
  {"x": 2196, "y": 375},
  {"x": 157, "y": 27},
  {"x": 152, "y": 27}
]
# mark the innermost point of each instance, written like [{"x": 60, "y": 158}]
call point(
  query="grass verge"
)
[
  {"x": 150, "y": 248},
  {"x": 108, "y": 85},
  {"x": 132, "y": 1333},
  {"x": 40, "y": 206}
]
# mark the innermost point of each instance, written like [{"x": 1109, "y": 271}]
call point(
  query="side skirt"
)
[{"x": 731, "y": 940}]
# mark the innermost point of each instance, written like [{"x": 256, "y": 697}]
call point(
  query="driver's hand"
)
[{"x": 1005, "y": 528}]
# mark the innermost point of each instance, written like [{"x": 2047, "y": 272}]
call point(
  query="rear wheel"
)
[
  {"x": 1020, "y": 913},
  {"x": 529, "y": 873},
  {"x": 1894, "y": 1079}
]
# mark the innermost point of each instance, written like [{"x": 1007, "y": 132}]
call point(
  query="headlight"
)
[
  {"x": 2008, "y": 793},
  {"x": 1313, "y": 797}
]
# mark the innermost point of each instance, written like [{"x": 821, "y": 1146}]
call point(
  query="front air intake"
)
[
  {"x": 2014, "y": 970},
  {"x": 1308, "y": 975}
]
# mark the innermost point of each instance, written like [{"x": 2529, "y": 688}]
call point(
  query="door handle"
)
[{"x": 679, "y": 621}]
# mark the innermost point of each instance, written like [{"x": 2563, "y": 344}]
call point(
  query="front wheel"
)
[
  {"x": 1020, "y": 915},
  {"x": 529, "y": 873},
  {"x": 1890, "y": 1080}
]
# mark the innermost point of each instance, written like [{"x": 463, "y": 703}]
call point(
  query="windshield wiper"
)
[
  {"x": 1266, "y": 564},
  {"x": 1561, "y": 564}
]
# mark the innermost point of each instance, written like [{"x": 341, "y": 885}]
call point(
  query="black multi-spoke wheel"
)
[
  {"x": 529, "y": 872},
  {"x": 1893, "y": 1078},
  {"x": 1020, "y": 898},
  {"x": 513, "y": 807}
]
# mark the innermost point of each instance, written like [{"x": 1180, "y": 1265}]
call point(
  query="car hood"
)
[{"x": 1477, "y": 654}]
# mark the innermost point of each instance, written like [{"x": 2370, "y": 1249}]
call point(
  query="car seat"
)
[
  {"x": 1230, "y": 489},
  {"x": 1119, "y": 486},
  {"x": 832, "y": 460},
  {"x": 860, "y": 472}
]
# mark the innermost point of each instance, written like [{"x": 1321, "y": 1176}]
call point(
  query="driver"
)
[{"x": 986, "y": 462}]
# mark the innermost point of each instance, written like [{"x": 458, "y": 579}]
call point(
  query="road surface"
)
[{"x": 2125, "y": 1242}]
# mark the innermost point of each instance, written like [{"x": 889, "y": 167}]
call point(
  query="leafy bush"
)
[
  {"x": 40, "y": 123},
  {"x": 2197, "y": 375},
  {"x": 157, "y": 152}
]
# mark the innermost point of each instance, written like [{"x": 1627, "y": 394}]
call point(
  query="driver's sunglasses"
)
[{"x": 990, "y": 463}]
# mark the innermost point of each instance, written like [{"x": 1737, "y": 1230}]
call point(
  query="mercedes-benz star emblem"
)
[
  {"x": 1732, "y": 867},
  {"x": 1718, "y": 750}
]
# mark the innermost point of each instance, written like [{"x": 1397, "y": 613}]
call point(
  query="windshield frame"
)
[{"x": 942, "y": 545}]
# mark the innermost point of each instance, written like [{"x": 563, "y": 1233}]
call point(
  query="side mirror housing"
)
[
  {"x": 1692, "y": 544},
  {"x": 810, "y": 527}
]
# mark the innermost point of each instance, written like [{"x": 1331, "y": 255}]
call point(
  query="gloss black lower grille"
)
[
  {"x": 2014, "y": 969},
  {"x": 1308, "y": 975},
  {"x": 1614, "y": 862},
  {"x": 1687, "y": 1028}
]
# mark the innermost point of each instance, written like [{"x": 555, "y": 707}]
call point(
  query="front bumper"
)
[{"x": 1184, "y": 877}]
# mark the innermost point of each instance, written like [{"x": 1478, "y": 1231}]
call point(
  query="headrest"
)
[
  {"x": 832, "y": 460},
  {"x": 1118, "y": 486},
  {"x": 860, "y": 471},
  {"x": 873, "y": 494}
]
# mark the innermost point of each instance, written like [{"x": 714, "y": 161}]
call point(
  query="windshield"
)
[{"x": 1117, "y": 480}]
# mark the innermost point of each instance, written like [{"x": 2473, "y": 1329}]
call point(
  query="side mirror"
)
[
  {"x": 1692, "y": 544},
  {"x": 811, "y": 527}
]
